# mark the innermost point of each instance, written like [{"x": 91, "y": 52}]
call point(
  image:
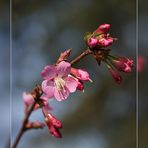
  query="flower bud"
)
[
  {"x": 115, "y": 75},
  {"x": 104, "y": 28},
  {"x": 104, "y": 42},
  {"x": 57, "y": 123},
  {"x": 54, "y": 131},
  {"x": 53, "y": 124},
  {"x": 123, "y": 64},
  {"x": 92, "y": 42},
  {"x": 80, "y": 74}
]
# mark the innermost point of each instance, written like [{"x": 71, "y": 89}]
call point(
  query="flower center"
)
[{"x": 59, "y": 83}]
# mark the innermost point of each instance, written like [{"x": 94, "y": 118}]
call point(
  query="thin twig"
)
[
  {"x": 22, "y": 129},
  {"x": 26, "y": 118},
  {"x": 82, "y": 55}
]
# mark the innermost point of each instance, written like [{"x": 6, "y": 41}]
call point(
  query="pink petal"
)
[
  {"x": 92, "y": 42},
  {"x": 54, "y": 131},
  {"x": 57, "y": 123},
  {"x": 63, "y": 68},
  {"x": 27, "y": 98},
  {"x": 71, "y": 84},
  {"x": 49, "y": 72},
  {"x": 44, "y": 97},
  {"x": 48, "y": 88},
  {"x": 61, "y": 94},
  {"x": 105, "y": 41},
  {"x": 103, "y": 28},
  {"x": 80, "y": 74},
  {"x": 83, "y": 75}
]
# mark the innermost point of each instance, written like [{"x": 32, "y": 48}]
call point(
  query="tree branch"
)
[
  {"x": 26, "y": 118},
  {"x": 23, "y": 128}
]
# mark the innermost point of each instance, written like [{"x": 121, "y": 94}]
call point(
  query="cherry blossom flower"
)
[{"x": 58, "y": 83}]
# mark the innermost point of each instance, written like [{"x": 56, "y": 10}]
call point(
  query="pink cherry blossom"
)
[
  {"x": 103, "y": 28},
  {"x": 58, "y": 83},
  {"x": 27, "y": 98}
]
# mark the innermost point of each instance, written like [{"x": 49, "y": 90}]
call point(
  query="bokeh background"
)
[{"x": 102, "y": 117}]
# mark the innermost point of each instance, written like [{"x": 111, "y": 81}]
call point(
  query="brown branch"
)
[
  {"x": 23, "y": 128},
  {"x": 26, "y": 118},
  {"x": 82, "y": 55}
]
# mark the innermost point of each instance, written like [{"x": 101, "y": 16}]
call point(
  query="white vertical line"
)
[
  {"x": 137, "y": 83},
  {"x": 10, "y": 13}
]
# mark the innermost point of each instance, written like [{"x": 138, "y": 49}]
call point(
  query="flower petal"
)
[
  {"x": 49, "y": 72},
  {"x": 63, "y": 68},
  {"x": 71, "y": 84},
  {"x": 27, "y": 98},
  {"x": 48, "y": 88},
  {"x": 61, "y": 94},
  {"x": 54, "y": 131}
]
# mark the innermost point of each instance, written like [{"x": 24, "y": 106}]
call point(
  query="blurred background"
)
[{"x": 105, "y": 115}]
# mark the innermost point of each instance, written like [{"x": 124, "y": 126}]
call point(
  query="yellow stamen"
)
[{"x": 59, "y": 83}]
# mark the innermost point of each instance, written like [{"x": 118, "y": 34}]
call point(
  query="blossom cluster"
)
[
  {"x": 98, "y": 42},
  {"x": 59, "y": 81},
  {"x": 61, "y": 78}
]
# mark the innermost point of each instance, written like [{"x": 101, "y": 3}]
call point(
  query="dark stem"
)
[
  {"x": 23, "y": 128},
  {"x": 82, "y": 55},
  {"x": 25, "y": 121}
]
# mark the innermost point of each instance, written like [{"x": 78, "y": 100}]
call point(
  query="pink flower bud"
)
[
  {"x": 123, "y": 64},
  {"x": 103, "y": 28},
  {"x": 53, "y": 124},
  {"x": 130, "y": 62},
  {"x": 115, "y": 75},
  {"x": 54, "y": 131},
  {"x": 28, "y": 100},
  {"x": 104, "y": 42},
  {"x": 64, "y": 55},
  {"x": 80, "y": 74},
  {"x": 54, "y": 121},
  {"x": 92, "y": 42}
]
